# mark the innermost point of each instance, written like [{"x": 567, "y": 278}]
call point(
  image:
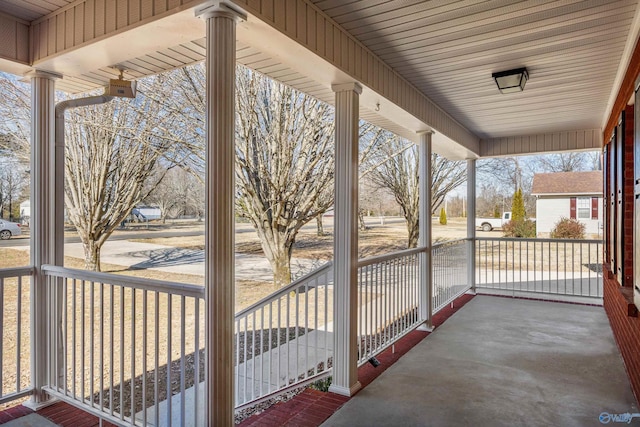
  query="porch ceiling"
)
[
  {"x": 575, "y": 51},
  {"x": 448, "y": 50}
]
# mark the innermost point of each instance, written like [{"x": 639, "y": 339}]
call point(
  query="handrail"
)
[
  {"x": 537, "y": 239},
  {"x": 173, "y": 288},
  {"x": 13, "y": 272},
  {"x": 285, "y": 290},
  {"x": 560, "y": 269},
  {"x": 387, "y": 257},
  {"x": 449, "y": 242}
]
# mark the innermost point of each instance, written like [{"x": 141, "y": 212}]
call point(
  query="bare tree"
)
[
  {"x": 564, "y": 162},
  {"x": 396, "y": 168},
  {"x": 508, "y": 173},
  {"x": 284, "y": 147},
  {"x": 490, "y": 201},
  {"x": 111, "y": 151},
  {"x": 15, "y": 118},
  {"x": 178, "y": 192},
  {"x": 14, "y": 182}
]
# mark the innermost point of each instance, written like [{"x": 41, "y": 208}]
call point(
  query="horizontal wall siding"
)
[
  {"x": 14, "y": 34},
  {"x": 307, "y": 25},
  {"x": 90, "y": 20},
  {"x": 578, "y": 140}
]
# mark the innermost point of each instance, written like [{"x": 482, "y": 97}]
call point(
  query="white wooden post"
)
[
  {"x": 424, "y": 237},
  {"x": 42, "y": 225},
  {"x": 221, "y": 19},
  {"x": 471, "y": 224},
  {"x": 345, "y": 249}
]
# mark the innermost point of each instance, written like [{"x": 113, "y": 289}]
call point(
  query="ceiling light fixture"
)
[
  {"x": 512, "y": 80},
  {"x": 121, "y": 87}
]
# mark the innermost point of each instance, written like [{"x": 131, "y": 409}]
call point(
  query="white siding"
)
[{"x": 549, "y": 210}]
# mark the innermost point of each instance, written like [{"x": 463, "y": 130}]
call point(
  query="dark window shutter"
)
[
  {"x": 572, "y": 208},
  {"x": 594, "y": 208}
]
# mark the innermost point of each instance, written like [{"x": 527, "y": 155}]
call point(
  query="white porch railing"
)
[
  {"x": 125, "y": 346},
  {"x": 549, "y": 268},
  {"x": 388, "y": 295},
  {"x": 15, "y": 317},
  {"x": 450, "y": 280},
  {"x": 286, "y": 339},
  {"x": 130, "y": 350}
]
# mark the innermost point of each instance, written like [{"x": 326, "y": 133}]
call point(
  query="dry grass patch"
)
[{"x": 308, "y": 245}]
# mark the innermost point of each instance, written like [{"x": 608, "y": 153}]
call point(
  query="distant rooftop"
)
[{"x": 567, "y": 183}]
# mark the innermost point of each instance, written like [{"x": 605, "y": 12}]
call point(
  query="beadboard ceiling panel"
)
[{"x": 449, "y": 49}]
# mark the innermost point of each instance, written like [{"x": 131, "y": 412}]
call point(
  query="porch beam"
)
[
  {"x": 42, "y": 224},
  {"x": 221, "y": 19},
  {"x": 471, "y": 224},
  {"x": 14, "y": 55},
  {"x": 424, "y": 236},
  {"x": 552, "y": 142},
  {"x": 345, "y": 249}
]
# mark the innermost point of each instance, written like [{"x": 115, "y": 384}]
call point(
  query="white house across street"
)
[{"x": 576, "y": 195}]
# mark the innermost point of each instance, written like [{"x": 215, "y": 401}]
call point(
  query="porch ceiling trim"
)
[
  {"x": 578, "y": 140},
  {"x": 311, "y": 28}
]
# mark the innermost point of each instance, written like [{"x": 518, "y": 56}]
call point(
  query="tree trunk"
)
[
  {"x": 281, "y": 271},
  {"x": 413, "y": 230},
  {"x": 319, "y": 226},
  {"x": 91, "y": 255},
  {"x": 279, "y": 256},
  {"x": 363, "y": 226}
]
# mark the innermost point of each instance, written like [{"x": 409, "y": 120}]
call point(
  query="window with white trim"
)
[{"x": 584, "y": 208}]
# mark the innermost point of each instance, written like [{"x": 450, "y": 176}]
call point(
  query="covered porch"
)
[
  {"x": 490, "y": 361},
  {"x": 201, "y": 361}
]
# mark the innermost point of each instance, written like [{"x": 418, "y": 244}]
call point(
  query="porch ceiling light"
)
[
  {"x": 120, "y": 87},
  {"x": 512, "y": 80}
]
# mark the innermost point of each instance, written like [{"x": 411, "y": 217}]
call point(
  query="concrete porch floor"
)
[{"x": 502, "y": 362}]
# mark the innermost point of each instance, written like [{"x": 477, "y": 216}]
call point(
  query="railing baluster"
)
[
  {"x": 111, "y": 347},
  {"x": 133, "y": 353},
  {"x": 183, "y": 365},
  {"x": 101, "y": 397},
  {"x": 169, "y": 345},
  {"x": 145, "y": 354},
  {"x": 551, "y": 266},
  {"x": 18, "y": 339},
  {"x": 122, "y": 347},
  {"x": 196, "y": 381},
  {"x": 91, "y": 342},
  {"x": 83, "y": 352},
  {"x": 156, "y": 377},
  {"x": 271, "y": 347}
]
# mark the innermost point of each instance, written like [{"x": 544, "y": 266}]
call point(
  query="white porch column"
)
[
  {"x": 345, "y": 249},
  {"x": 221, "y": 21},
  {"x": 471, "y": 224},
  {"x": 42, "y": 223},
  {"x": 424, "y": 238}
]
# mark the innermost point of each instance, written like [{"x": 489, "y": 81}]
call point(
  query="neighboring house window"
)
[{"x": 584, "y": 207}]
